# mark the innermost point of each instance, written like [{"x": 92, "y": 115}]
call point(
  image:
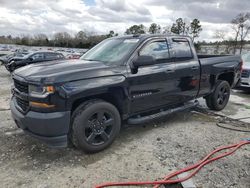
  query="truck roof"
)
[{"x": 146, "y": 36}]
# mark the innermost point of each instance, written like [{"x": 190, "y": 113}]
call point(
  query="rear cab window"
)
[{"x": 180, "y": 49}]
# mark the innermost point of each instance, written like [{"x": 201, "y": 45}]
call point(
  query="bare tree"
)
[
  {"x": 40, "y": 39},
  {"x": 81, "y": 36},
  {"x": 26, "y": 39},
  {"x": 220, "y": 34},
  {"x": 62, "y": 39},
  {"x": 241, "y": 26}
]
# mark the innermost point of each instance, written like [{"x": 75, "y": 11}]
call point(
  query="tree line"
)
[
  {"x": 240, "y": 28},
  {"x": 180, "y": 27},
  {"x": 86, "y": 40},
  {"x": 59, "y": 39}
]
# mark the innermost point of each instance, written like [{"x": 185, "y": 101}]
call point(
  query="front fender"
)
[{"x": 87, "y": 87}]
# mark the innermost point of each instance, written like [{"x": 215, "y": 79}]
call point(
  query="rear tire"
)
[
  {"x": 220, "y": 96},
  {"x": 95, "y": 125}
]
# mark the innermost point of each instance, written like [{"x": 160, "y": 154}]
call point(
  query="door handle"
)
[
  {"x": 169, "y": 70},
  {"x": 195, "y": 68}
]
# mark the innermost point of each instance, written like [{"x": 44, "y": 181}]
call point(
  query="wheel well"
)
[
  {"x": 229, "y": 77},
  {"x": 115, "y": 97}
]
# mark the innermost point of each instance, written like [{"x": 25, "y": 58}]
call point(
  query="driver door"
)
[{"x": 153, "y": 86}]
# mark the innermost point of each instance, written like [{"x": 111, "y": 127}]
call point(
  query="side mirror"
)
[{"x": 144, "y": 60}]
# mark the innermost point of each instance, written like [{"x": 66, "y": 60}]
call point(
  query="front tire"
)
[
  {"x": 220, "y": 96},
  {"x": 95, "y": 125}
]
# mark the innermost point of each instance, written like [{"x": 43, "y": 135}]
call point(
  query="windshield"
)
[
  {"x": 111, "y": 51},
  {"x": 246, "y": 59},
  {"x": 28, "y": 55},
  {"x": 9, "y": 55}
]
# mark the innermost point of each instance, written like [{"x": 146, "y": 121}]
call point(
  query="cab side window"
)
[
  {"x": 158, "y": 49},
  {"x": 50, "y": 56},
  {"x": 38, "y": 56}
]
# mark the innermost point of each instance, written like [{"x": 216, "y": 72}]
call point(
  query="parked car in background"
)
[
  {"x": 8, "y": 58},
  {"x": 4, "y": 59},
  {"x": 31, "y": 58},
  {"x": 73, "y": 56},
  {"x": 16, "y": 56},
  {"x": 245, "y": 75}
]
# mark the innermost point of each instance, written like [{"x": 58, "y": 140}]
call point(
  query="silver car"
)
[{"x": 245, "y": 75}]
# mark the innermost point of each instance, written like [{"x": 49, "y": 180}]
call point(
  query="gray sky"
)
[{"x": 100, "y": 16}]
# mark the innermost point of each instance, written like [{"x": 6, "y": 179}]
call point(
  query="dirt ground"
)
[{"x": 145, "y": 152}]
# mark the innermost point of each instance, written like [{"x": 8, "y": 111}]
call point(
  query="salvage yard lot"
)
[{"x": 145, "y": 152}]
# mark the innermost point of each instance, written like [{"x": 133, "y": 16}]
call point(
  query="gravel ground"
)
[{"x": 145, "y": 152}]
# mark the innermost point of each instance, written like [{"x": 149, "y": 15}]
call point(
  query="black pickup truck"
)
[{"x": 129, "y": 78}]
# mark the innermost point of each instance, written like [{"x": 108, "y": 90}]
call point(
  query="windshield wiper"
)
[
  {"x": 89, "y": 59},
  {"x": 94, "y": 60}
]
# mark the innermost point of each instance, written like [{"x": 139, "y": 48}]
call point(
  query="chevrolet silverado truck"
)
[{"x": 131, "y": 79}]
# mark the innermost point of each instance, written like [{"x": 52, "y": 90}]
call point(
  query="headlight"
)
[{"x": 40, "y": 91}]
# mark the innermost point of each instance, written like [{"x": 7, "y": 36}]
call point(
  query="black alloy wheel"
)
[
  {"x": 219, "y": 98},
  {"x": 99, "y": 127},
  {"x": 95, "y": 125}
]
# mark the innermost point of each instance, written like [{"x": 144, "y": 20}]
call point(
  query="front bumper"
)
[{"x": 51, "y": 128}]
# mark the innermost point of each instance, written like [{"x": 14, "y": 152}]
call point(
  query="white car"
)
[{"x": 245, "y": 75}]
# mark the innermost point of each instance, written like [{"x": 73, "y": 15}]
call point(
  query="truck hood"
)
[{"x": 63, "y": 71}]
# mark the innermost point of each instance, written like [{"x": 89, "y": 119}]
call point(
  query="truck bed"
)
[
  {"x": 217, "y": 59},
  {"x": 212, "y": 65}
]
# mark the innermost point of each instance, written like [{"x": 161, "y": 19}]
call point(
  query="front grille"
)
[
  {"x": 23, "y": 104},
  {"x": 21, "y": 86},
  {"x": 245, "y": 73}
]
